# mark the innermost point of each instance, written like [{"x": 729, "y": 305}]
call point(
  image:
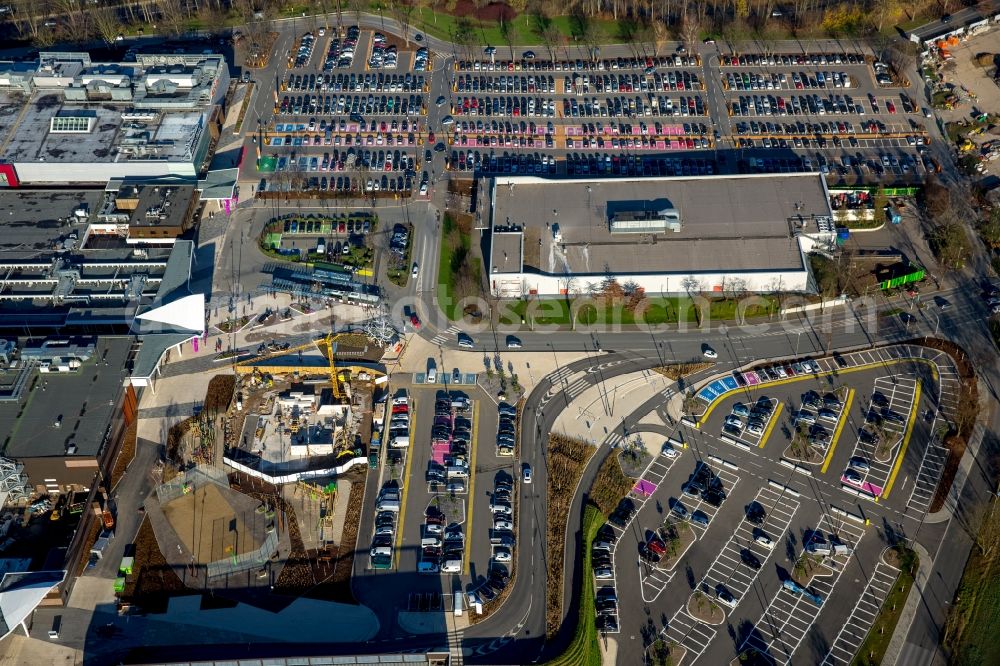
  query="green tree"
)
[
  {"x": 950, "y": 245},
  {"x": 989, "y": 230}
]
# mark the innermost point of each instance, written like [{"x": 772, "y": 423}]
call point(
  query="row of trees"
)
[{"x": 637, "y": 21}]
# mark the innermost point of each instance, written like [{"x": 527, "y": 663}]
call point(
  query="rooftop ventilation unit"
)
[{"x": 646, "y": 221}]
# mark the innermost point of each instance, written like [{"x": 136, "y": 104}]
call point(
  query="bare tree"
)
[
  {"x": 107, "y": 23},
  {"x": 690, "y": 30},
  {"x": 506, "y": 31},
  {"x": 171, "y": 16},
  {"x": 75, "y": 21},
  {"x": 29, "y": 16},
  {"x": 402, "y": 11}
]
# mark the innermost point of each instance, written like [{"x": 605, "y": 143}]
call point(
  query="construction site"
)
[{"x": 261, "y": 494}]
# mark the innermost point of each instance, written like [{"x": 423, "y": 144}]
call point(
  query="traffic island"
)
[
  {"x": 678, "y": 537},
  {"x": 704, "y": 609}
]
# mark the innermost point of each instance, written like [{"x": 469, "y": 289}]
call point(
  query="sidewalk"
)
[{"x": 600, "y": 409}]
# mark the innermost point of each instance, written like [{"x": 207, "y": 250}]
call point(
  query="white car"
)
[
  {"x": 763, "y": 540},
  {"x": 415, "y": 270},
  {"x": 708, "y": 352},
  {"x": 734, "y": 421},
  {"x": 526, "y": 474},
  {"x": 725, "y": 596},
  {"x": 502, "y": 555},
  {"x": 668, "y": 451},
  {"x": 503, "y": 525},
  {"x": 423, "y": 189}
]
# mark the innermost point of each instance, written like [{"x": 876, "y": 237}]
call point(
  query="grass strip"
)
[
  {"x": 873, "y": 649},
  {"x": 585, "y": 648}
]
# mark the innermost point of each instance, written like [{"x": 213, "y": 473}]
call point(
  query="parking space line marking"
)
[
  {"x": 771, "y": 424},
  {"x": 406, "y": 485},
  {"x": 472, "y": 484},
  {"x": 906, "y": 441},
  {"x": 900, "y": 360},
  {"x": 840, "y": 427}
]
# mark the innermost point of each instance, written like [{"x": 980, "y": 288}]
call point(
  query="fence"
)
[
  {"x": 295, "y": 476},
  {"x": 247, "y": 561},
  {"x": 190, "y": 480}
]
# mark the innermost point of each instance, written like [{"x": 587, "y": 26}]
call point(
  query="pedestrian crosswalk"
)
[
  {"x": 931, "y": 466},
  {"x": 449, "y": 335}
]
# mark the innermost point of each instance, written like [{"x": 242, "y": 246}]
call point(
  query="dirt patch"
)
[
  {"x": 679, "y": 370},
  {"x": 491, "y": 13},
  {"x": 567, "y": 458},
  {"x": 704, "y": 609},
  {"x": 125, "y": 455},
  {"x": 334, "y": 564},
  {"x": 220, "y": 393},
  {"x": 153, "y": 580}
]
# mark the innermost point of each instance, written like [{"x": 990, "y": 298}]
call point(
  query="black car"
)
[
  {"x": 607, "y": 533},
  {"x": 713, "y": 496},
  {"x": 755, "y": 513},
  {"x": 749, "y": 559}
]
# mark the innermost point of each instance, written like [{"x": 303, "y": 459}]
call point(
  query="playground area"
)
[
  {"x": 213, "y": 535},
  {"x": 210, "y": 528}
]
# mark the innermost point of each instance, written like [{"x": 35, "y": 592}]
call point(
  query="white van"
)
[
  {"x": 401, "y": 398},
  {"x": 430, "y": 542},
  {"x": 455, "y": 487},
  {"x": 458, "y": 599},
  {"x": 452, "y": 566},
  {"x": 819, "y": 548},
  {"x": 388, "y": 505},
  {"x": 400, "y": 442},
  {"x": 458, "y": 472},
  {"x": 384, "y": 551}
]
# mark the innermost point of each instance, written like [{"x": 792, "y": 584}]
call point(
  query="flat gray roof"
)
[
  {"x": 30, "y": 219},
  {"x": 728, "y": 223},
  {"x": 83, "y": 398},
  {"x": 170, "y": 136}
]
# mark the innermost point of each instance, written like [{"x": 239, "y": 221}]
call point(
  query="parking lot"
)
[
  {"x": 456, "y": 497},
  {"x": 787, "y": 529},
  {"x": 361, "y": 115},
  {"x": 348, "y": 118}
]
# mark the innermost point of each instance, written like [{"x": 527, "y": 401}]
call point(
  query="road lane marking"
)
[
  {"x": 840, "y": 428},
  {"x": 906, "y": 441},
  {"x": 771, "y": 424},
  {"x": 472, "y": 485},
  {"x": 406, "y": 485}
]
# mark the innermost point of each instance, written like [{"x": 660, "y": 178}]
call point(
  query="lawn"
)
[
  {"x": 584, "y": 649},
  {"x": 970, "y": 631},
  {"x": 522, "y": 32},
  {"x": 873, "y": 649},
  {"x": 458, "y": 270},
  {"x": 653, "y": 311}
]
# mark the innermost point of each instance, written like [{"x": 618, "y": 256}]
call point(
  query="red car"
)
[
  {"x": 890, "y": 106},
  {"x": 415, "y": 321}
]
